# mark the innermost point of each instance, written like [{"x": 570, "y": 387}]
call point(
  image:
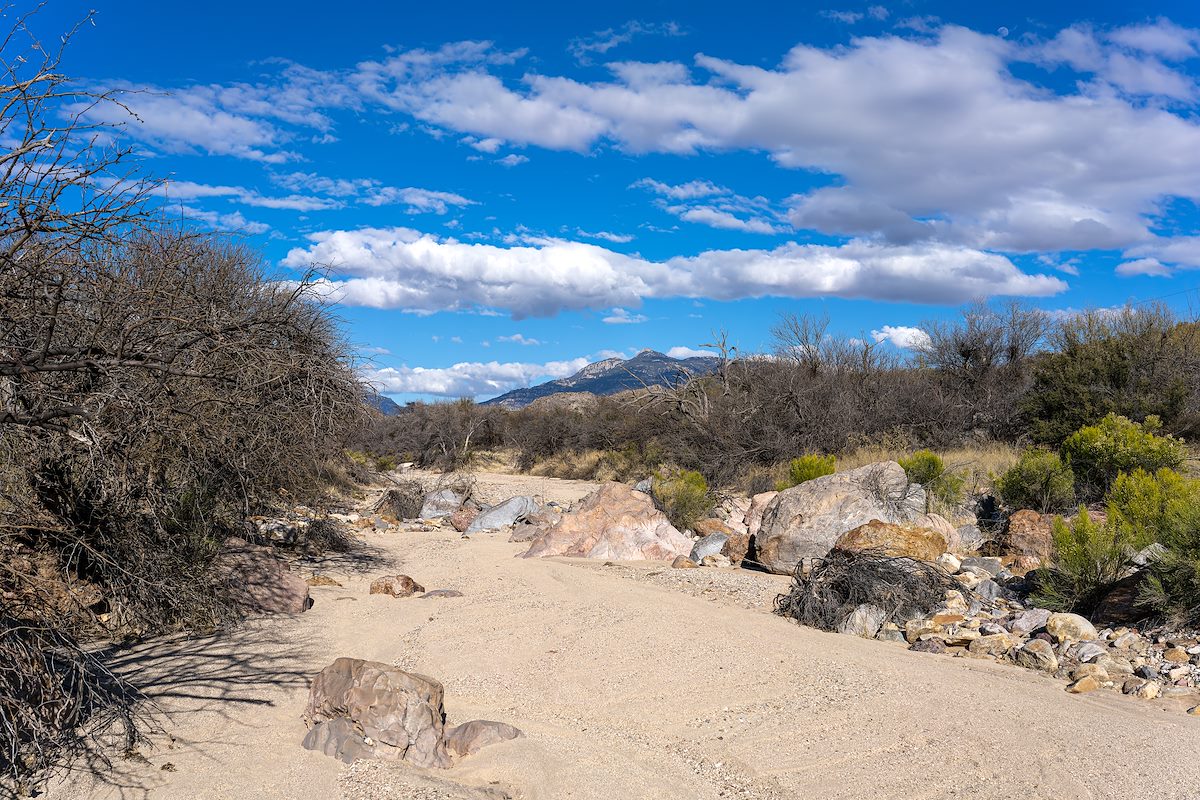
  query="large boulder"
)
[
  {"x": 441, "y": 503},
  {"x": 806, "y": 521},
  {"x": 258, "y": 581},
  {"x": 908, "y": 541},
  {"x": 616, "y": 523},
  {"x": 398, "y": 713},
  {"x": 1028, "y": 533},
  {"x": 510, "y": 512}
]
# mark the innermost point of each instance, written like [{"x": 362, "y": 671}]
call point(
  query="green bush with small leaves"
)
[
  {"x": 805, "y": 468},
  {"x": 1151, "y": 507},
  {"x": 1039, "y": 480},
  {"x": 1089, "y": 557},
  {"x": 683, "y": 496},
  {"x": 385, "y": 463},
  {"x": 1098, "y": 453},
  {"x": 928, "y": 469}
]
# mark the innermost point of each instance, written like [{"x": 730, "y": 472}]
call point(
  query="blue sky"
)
[{"x": 500, "y": 195}]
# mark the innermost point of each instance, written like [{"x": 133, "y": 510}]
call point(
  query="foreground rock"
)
[
  {"x": 908, "y": 541},
  {"x": 366, "y": 709},
  {"x": 806, "y": 521},
  {"x": 616, "y": 523},
  {"x": 260, "y": 582},
  {"x": 510, "y": 512}
]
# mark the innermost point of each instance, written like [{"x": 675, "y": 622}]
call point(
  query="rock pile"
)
[{"x": 994, "y": 624}]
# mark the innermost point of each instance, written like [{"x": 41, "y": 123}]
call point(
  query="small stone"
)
[
  {"x": 1087, "y": 651},
  {"x": 1085, "y": 684},
  {"x": 1179, "y": 673},
  {"x": 929, "y": 646},
  {"x": 1194, "y": 711},
  {"x": 396, "y": 586},
  {"x": 864, "y": 621},
  {"x": 954, "y": 601},
  {"x": 1146, "y": 671},
  {"x": 991, "y": 566},
  {"x": 716, "y": 560},
  {"x": 1114, "y": 665},
  {"x": 683, "y": 562},
  {"x": 1037, "y": 654},
  {"x": 1070, "y": 627},
  {"x": 949, "y": 562},
  {"x": 1029, "y": 621},
  {"x": 1129, "y": 641},
  {"x": 989, "y": 590},
  {"x": 995, "y": 645},
  {"x": 947, "y": 619},
  {"x": 1089, "y": 670},
  {"x": 1148, "y": 691},
  {"x": 322, "y": 580},
  {"x": 442, "y": 593},
  {"x": 1176, "y": 655}
]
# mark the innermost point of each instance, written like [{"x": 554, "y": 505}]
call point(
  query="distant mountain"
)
[
  {"x": 386, "y": 405},
  {"x": 612, "y": 375}
]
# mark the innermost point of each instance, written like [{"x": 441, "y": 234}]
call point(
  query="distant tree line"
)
[{"x": 1008, "y": 373}]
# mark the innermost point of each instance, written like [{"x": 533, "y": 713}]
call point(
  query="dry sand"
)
[{"x": 632, "y": 681}]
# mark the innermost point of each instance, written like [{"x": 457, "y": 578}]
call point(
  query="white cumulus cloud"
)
[
  {"x": 475, "y": 379},
  {"x": 901, "y": 336},
  {"x": 406, "y": 269}
]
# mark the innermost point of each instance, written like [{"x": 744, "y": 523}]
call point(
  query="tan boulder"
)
[
  {"x": 1088, "y": 683},
  {"x": 1028, "y": 533},
  {"x": 616, "y": 523},
  {"x": 909, "y": 541},
  {"x": 1037, "y": 654},
  {"x": 683, "y": 562},
  {"x": 1070, "y": 627}
]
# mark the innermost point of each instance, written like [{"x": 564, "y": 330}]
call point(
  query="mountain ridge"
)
[{"x": 612, "y": 375}]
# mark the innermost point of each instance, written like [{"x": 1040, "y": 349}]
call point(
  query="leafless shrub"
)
[
  {"x": 836, "y": 585},
  {"x": 156, "y": 385},
  {"x": 404, "y": 501}
]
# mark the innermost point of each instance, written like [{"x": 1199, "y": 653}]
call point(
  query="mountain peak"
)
[{"x": 612, "y": 375}]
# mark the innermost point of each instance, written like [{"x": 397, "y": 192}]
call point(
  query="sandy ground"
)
[{"x": 631, "y": 681}]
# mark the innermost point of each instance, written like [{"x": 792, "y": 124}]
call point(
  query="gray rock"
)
[
  {"x": 1029, "y": 621},
  {"x": 805, "y": 521},
  {"x": 645, "y": 485},
  {"x": 1146, "y": 556},
  {"x": 989, "y": 590},
  {"x": 929, "y": 646},
  {"x": 864, "y": 621},
  {"x": 991, "y": 566},
  {"x": 710, "y": 545},
  {"x": 507, "y": 513},
  {"x": 1087, "y": 651},
  {"x": 1146, "y": 671},
  {"x": 441, "y": 503},
  {"x": 970, "y": 538}
]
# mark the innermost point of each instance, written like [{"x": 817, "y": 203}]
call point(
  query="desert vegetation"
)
[{"x": 157, "y": 386}]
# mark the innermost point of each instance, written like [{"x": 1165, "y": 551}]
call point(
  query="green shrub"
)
[
  {"x": 1148, "y": 507},
  {"x": 805, "y": 468},
  {"x": 683, "y": 497},
  {"x": 1039, "y": 480},
  {"x": 1098, "y": 453},
  {"x": 1174, "y": 585},
  {"x": 1089, "y": 558},
  {"x": 385, "y": 463},
  {"x": 927, "y": 468}
]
